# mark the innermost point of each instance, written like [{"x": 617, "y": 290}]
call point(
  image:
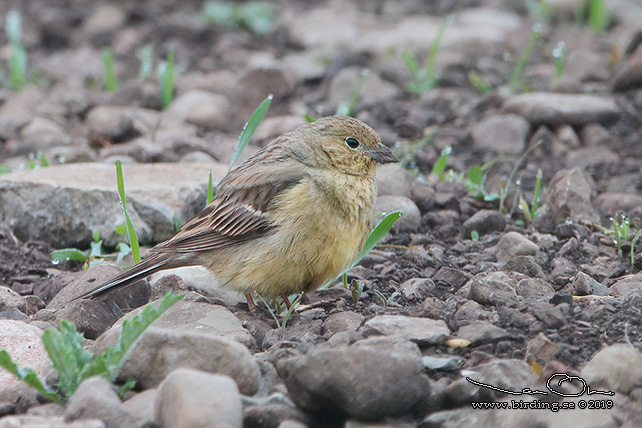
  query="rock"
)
[
  {"x": 514, "y": 244},
  {"x": 350, "y": 79},
  {"x": 453, "y": 277},
  {"x": 550, "y": 315},
  {"x": 190, "y": 398},
  {"x": 91, "y": 317},
  {"x": 105, "y": 18},
  {"x": 585, "y": 285},
  {"x": 255, "y": 85},
  {"x": 96, "y": 398},
  {"x": 9, "y": 299},
  {"x": 424, "y": 196},
  {"x": 48, "y": 422},
  {"x": 504, "y": 133},
  {"x": 525, "y": 265},
  {"x": 533, "y": 288},
  {"x": 114, "y": 123},
  {"x": 417, "y": 288},
  {"x": 469, "y": 312},
  {"x": 420, "y": 330},
  {"x": 141, "y": 407},
  {"x": 191, "y": 317},
  {"x": 480, "y": 332},
  {"x": 22, "y": 342},
  {"x": 159, "y": 351},
  {"x": 200, "y": 108},
  {"x": 630, "y": 76},
  {"x": 569, "y": 196},
  {"x": 341, "y": 321},
  {"x": 128, "y": 297},
  {"x": 86, "y": 199},
  {"x": 364, "y": 382},
  {"x": 542, "y": 350},
  {"x": 583, "y": 65},
  {"x": 19, "y": 108},
  {"x": 394, "y": 180},
  {"x": 591, "y": 157},
  {"x": 411, "y": 219},
  {"x": 274, "y": 414},
  {"x": 628, "y": 284},
  {"x": 484, "y": 222},
  {"x": 547, "y": 108},
  {"x": 493, "y": 288},
  {"x": 451, "y": 363},
  {"x": 612, "y": 202},
  {"x": 40, "y": 134},
  {"x": 617, "y": 368}
]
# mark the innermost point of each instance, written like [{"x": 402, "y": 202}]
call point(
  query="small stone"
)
[
  {"x": 547, "y": 108},
  {"x": 9, "y": 299},
  {"x": 524, "y": 264},
  {"x": 569, "y": 196},
  {"x": 394, "y": 180},
  {"x": 341, "y": 321},
  {"x": 189, "y": 398},
  {"x": 200, "y": 108},
  {"x": 514, "y": 244},
  {"x": 504, "y": 133},
  {"x": 22, "y": 342},
  {"x": 451, "y": 363},
  {"x": 411, "y": 219},
  {"x": 534, "y": 288},
  {"x": 542, "y": 350},
  {"x": 424, "y": 196},
  {"x": 617, "y": 368},
  {"x": 469, "y": 312},
  {"x": 584, "y": 285},
  {"x": 484, "y": 222},
  {"x": 43, "y": 133},
  {"x": 421, "y": 330},
  {"x": 631, "y": 75},
  {"x": 493, "y": 288},
  {"x": 628, "y": 284},
  {"x": 453, "y": 277},
  {"x": 480, "y": 332},
  {"x": 372, "y": 87},
  {"x": 141, "y": 406},
  {"x": 417, "y": 288},
  {"x": 364, "y": 382},
  {"x": 48, "y": 422},
  {"x": 550, "y": 315},
  {"x": 114, "y": 123},
  {"x": 613, "y": 202},
  {"x": 96, "y": 398}
]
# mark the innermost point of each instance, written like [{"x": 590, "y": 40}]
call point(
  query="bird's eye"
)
[{"x": 353, "y": 143}]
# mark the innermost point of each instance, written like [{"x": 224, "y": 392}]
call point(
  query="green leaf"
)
[
  {"x": 378, "y": 233},
  {"x": 68, "y": 254},
  {"x": 178, "y": 223},
  {"x": 131, "y": 232},
  {"x": 121, "y": 229},
  {"x": 440, "y": 165},
  {"x": 474, "y": 235},
  {"x": 250, "y": 128},
  {"x": 123, "y": 250},
  {"x": 27, "y": 375},
  {"x": 210, "y": 190},
  {"x": 111, "y": 83},
  {"x": 167, "y": 79}
]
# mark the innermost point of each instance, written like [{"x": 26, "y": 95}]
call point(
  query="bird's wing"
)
[{"x": 240, "y": 210}]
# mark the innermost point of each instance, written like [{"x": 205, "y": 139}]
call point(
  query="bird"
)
[{"x": 289, "y": 219}]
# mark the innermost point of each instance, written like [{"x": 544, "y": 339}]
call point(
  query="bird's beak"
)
[{"x": 382, "y": 154}]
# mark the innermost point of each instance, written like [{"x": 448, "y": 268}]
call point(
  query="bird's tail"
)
[{"x": 150, "y": 265}]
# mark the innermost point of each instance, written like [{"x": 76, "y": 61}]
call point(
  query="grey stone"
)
[
  {"x": 96, "y": 398},
  {"x": 534, "y": 288},
  {"x": 514, "y": 244},
  {"x": 417, "y": 288},
  {"x": 365, "y": 382},
  {"x": 411, "y": 219},
  {"x": 569, "y": 196},
  {"x": 22, "y": 342},
  {"x": 612, "y": 202},
  {"x": 450, "y": 363},
  {"x": 159, "y": 351},
  {"x": 480, "y": 332},
  {"x": 504, "y": 133},
  {"x": 341, "y": 321},
  {"x": 420, "y": 330},
  {"x": 542, "y": 350},
  {"x": 630, "y": 76},
  {"x": 201, "y": 108},
  {"x": 394, "y": 180},
  {"x": 617, "y": 367},
  {"x": 584, "y": 285},
  {"x": 493, "y": 288},
  {"x": 141, "y": 406},
  {"x": 189, "y": 398},
  {"x": 547, "y": 108},
  {"x": 86, "y": 199},
  {"x": 9, "y": 299},
  {"x": 484, "y": 222},
  {"x": 550, "y": 315},
  {"x": 91, "y": 317},
  {"x": 454, "y": 277},
  {"x": 345, "y": 82},
  {"x": 48, "y": 422},
  {"x": 627, "y": 284},
  {"x": 43, "y": 133},
  {"x": 114, "y": 123},
  {"x": 524, "y": 264}
]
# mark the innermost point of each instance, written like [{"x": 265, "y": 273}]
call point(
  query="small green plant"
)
[
  {"x": 478, "y": 82},
  {"x": 539, "y": 9},
  {"x": 346, "y": 109},
  {"x": 146, "y": 57},
  {"x": 559, "y": 53},
  {"x": 424, "y": 79},
  {"x": 439, "y": 168},
  {"x": 475, "y": 181},
  {"x": 474, "y": 235},
  {"x": 74, "y": 363},
  {"x": 532, "y": 211},
  {"x": 594, "y": 13},
  {"x": 634, "y": 242},
  {"x": 111, "y": 83},
  {"x": 166, "y": 76},
  {"x": 210, "y": 189},
  {"x": 255, "y": 16},
  {"x": 95, "y": 253},
  {"x": 250, "y": 128},
  {"x": 17, "y": 53},
  {"x": 518, "y": 71},
  {"x": 131, "y": 232},
  {"x": 621, "y": 230}
]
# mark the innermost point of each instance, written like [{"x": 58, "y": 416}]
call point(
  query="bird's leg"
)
[
  {"x": 250, "y": 302},
  {"x": 287, "y": 302}
]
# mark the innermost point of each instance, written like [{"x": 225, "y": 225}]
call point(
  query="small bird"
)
[{"x": 287, "y": 220}]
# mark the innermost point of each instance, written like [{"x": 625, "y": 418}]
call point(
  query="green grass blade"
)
[
  {"x": 250, "y": 128},
  {"x": 210, "y": 190},
  {"x": 538, "y": 185},
  {"x": 524, "y": 57},
  {"x": 68, "y": 254},
  {"x": 167, "y": 80},
  {"x": 111, "y": 83},
  {"x": 431, "y": 64},
  {"x": 131, "y": 232},
  {"x": 145, "y": 55},
  {"x": 440, "y": 165},
  {"x": 378, "y": 233}
]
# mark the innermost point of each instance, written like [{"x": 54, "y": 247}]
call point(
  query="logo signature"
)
[{"x": 557, "y": 378}]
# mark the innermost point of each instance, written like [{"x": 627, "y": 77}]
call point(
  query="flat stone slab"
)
[{"x": 63, "y": 204}]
